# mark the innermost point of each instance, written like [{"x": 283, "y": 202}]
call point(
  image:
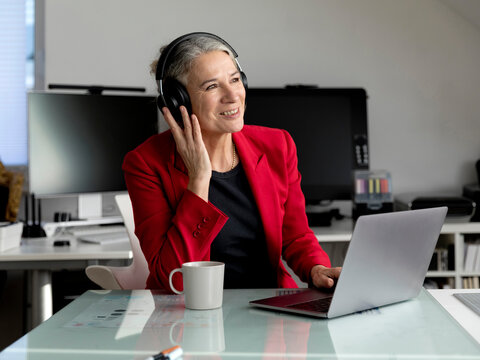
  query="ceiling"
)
[{"x": 469, "y": 9}]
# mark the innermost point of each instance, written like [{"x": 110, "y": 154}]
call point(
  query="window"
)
[
  {"x": 17, "y": 23},
  {"x": 30, "y": 43}
]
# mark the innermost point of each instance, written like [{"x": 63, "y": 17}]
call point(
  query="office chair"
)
[{"x": 131, "y": 277}]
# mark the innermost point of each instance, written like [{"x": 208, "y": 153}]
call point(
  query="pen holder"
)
[{"x": 372, "y": 192}]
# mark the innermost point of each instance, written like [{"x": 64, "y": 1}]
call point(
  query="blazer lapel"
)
[{"x": 264, "y": 191}]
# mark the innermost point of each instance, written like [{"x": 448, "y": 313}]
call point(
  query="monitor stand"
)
[{"x": 90, "y": 206}]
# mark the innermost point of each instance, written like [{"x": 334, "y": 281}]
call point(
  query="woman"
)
[{"x": 211, "y": 188}]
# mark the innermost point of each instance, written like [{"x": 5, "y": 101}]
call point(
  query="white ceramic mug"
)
[{"x": 202, "y": 284}]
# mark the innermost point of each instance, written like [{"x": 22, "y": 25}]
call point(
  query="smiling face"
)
[{"x": 217, "y": 93}]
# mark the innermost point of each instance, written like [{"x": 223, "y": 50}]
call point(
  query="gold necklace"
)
[{"x": 234, "y": 157}]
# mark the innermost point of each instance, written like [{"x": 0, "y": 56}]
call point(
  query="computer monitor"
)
[
  {"x": 329, "y": 127},
  {"x": 77, "y": 142}
]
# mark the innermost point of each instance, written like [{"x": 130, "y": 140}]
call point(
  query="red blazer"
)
[{"x": 176, "y": 226}]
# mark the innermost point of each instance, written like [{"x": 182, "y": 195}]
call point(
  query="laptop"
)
[{"x": 386, "y": 262}]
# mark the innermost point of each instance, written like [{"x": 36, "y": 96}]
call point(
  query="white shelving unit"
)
[
  {"x": 451, "y": 233},
  {"x": 454, "y": 233}
]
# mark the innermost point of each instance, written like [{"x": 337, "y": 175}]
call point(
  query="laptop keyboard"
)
[
  {"x": 472, "y": 300},
  {"x": 317, "y": 305}
]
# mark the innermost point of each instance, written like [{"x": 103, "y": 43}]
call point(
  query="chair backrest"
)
[
  {"x": 136, "y": 276},
  {"x": 104, "y": 276}
]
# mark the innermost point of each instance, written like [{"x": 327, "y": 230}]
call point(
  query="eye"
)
[
  {"x": 236, "y": 79},
  {"x": 210, "y": 87}
]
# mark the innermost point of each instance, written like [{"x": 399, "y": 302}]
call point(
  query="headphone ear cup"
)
[
  {"x": 160, "y": 103},
  {"x": 174, "y": 96},
  {"x": 244, "y": 80}
]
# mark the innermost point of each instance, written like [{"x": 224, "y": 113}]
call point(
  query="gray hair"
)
[{"x": 181, "y": 58}]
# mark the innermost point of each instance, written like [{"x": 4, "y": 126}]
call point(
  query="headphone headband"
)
[{"x": 162, "y": 61}]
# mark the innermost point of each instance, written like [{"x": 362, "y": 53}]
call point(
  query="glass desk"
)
[{"x": 136, "y": 324}]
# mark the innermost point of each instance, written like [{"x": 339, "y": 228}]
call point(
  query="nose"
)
[{"x": 231, "y": 92}]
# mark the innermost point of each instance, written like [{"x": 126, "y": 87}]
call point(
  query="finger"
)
[
  {"x": 326, "y": 277},
  {"x": 333, "y": 272},
  {"x": 185, "y": 117},
  {"x": 167, "y": 115},
  {"x": 325, "y": 281},
  {"x": 196, "y": 130},
  {"x": 177, "y": 131},
  {"x": 187, "y": 124}
]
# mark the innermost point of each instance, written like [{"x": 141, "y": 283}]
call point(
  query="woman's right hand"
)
[{"x": 192, "y": 149}]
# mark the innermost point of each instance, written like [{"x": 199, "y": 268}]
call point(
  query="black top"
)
[{"x": 241, "y": 242}]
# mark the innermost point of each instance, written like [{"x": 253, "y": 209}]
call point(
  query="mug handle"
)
[
  {"x": 172, "y": 328},
  {"x": 171, "y": 283}
]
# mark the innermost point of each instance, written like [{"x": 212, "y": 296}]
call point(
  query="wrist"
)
[{"x": 199, "y": 186}]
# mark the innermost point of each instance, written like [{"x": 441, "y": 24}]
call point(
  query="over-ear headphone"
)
[{"x": 172, "y": 93}]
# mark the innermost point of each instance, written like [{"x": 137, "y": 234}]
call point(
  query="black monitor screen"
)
[
  {"x": 77, "y": 142},
  {"x": 329, "y": 127}
]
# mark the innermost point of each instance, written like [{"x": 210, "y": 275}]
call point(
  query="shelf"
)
[
  {"x": 469, "y": 274},
  {"x": 339, "y": 231},
  {"x": 432, "y": 274},
  {"x": 464, "y": 228}
]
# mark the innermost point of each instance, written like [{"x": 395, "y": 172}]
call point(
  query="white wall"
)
[{"x": 418, "y": 61}]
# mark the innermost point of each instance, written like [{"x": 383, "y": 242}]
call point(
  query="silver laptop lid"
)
[{"x": 387, "y": 259}]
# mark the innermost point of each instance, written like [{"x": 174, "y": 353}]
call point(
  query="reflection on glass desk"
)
[{"x": 136, "y": 324}]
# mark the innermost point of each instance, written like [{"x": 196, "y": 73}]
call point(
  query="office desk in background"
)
[
  {"x": 40, "y": 258},
  {"x": 136, "y": 324}
]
